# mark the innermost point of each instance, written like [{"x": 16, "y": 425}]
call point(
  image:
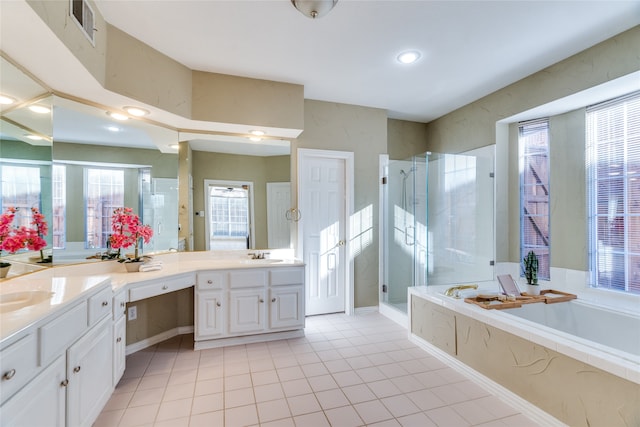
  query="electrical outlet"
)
[{"x": 132, "y": 313}]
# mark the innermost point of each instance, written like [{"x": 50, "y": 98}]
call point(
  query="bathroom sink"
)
[
  {"x": 17, "y": 300},
  {"x": 261, "y": 261}
]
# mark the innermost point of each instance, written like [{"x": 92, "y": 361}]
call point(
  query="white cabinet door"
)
[
  {"x": 119, "y": 348},
  {"x": 247, "y": 310},
  {"x": 210, "y": 308},
  {"x": 39, "y": 403},
  {"x": 287, "y": 307},
  {"x": 89, "y": 371}
]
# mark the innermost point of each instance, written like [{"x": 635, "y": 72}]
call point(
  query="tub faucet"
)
[{"x": 453, "y": 291}]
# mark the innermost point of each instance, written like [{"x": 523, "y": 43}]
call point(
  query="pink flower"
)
[
  {"x": 13, "y": 239},
  {"x": 127, "y": 230}
]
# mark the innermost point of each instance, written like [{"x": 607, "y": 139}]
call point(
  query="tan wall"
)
[
  {"x": 578, "y": 394},
  {"x": 185, "y": 173},
  {"x": 363, "y": 131},
  {"x": 405, "y": 139},
  {"x": 232, "y": 99},
  {"x": 474, "y": 126},
  {"x": 255, "y": 169}
]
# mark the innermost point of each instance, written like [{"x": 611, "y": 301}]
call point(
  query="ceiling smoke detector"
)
[{"x": 314, "y": 8}]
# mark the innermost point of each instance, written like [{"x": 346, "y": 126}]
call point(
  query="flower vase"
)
[
  {"x": 133, "y": 266},
  {"x": 533, "y": 289},
  {"x": 4, "y": 270}
]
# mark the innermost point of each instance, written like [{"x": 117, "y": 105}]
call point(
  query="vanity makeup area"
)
[{"x": 66, "y": 326}]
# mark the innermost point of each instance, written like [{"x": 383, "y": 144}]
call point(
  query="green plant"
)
[{"x": 531, "y": 268}]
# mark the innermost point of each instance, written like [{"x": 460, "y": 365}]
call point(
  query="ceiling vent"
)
[{"x": 83, "y": 15}]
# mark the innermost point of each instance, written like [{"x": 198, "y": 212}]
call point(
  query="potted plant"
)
[
  {"x": 13, "y": 239},
  {"x": 531, "y": 273},
  {"x": 127, "y": 232}
]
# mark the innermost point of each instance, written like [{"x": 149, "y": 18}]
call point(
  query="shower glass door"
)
[{"x": 405, "y": 231}]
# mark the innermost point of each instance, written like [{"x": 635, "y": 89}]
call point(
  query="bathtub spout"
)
[{"x": 453, "y": 291}]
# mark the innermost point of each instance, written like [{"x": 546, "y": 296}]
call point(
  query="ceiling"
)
[{"x": 469, "y": 48}]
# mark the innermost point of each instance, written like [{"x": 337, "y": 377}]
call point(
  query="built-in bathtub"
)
[{"x": 575, "y": 360}]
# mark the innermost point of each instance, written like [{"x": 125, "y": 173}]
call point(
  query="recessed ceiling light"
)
[
  {"x": 113, "y": 128},
  {"x": 35, "y": 137},
  {"x": 117, "y": 116},
  {"x": 255, "y": 138},
  {"x": 408, "y": 57},
  {"x": 257, "y": 132},
  {"x": 174, "y": 146},
  {"x": 6, "y": 100},
  {"x": 40, "y": 109},
  {"x": 135, "y": 111}
]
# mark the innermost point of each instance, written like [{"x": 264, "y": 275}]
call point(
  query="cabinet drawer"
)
[
  {"x": 100, "y": 305},
  {"x": 18, "y": 363},
  {"x": 248, "y": 278},
  {"x": 286, "y": 276},
  {"x": 162, "y": 286},
  {"x": 119, "y": 305},
  {"x": 58, "y": 334},
  {"x": 212, "y": 280}
]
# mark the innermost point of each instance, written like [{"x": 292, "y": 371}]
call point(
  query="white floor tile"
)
[
  {"x": 344, "y": 417},
  {"x": 304, "y": 404},
  {"x": 372, "y": 411}
]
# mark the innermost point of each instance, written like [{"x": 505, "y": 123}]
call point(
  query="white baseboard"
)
[
  {"x": 365, "y": 310},
  {"x": 247, "y": 339},
  {"x": 525, "y": 407},
  {"x": 148, "y": 342}
]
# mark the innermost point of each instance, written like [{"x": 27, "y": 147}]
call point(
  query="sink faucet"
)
[
  {"x": 258, "y": 254},
  {"x": 453, "y": 291}
]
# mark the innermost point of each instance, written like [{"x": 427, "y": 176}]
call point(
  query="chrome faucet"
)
[
  {"x": 258, "y": 254},
  {"x": 453, "y": 291}
]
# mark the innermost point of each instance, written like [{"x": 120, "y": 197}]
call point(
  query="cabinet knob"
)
[
  {"x": 165, "y": 287},
  {"x": 273, "y": 300},
  {"x": 218, "y": 304},
  {"x": 76, "y": 369},
  {"x": 122, "y": 304},
  {"x": 64, "y": 383},
  {"x": 105, "y": 303},
  {"x": 119, "y": 339},
  {"x": 261, "y": 300},
  {"x": 9, "y": 374},
  {"x": 210, "y": 282}
]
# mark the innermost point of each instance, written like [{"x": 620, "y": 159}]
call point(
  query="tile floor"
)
[{"x": 346, "y": 371}]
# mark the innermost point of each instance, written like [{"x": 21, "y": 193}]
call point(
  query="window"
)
[
  {"x": 59, "y": 197},
  {"x": 20, "y": 189},
  {"x": 534, "y": 193},
  {"x": 104, "y": 192},
  {"x": 613, "y": 167},
  {"x": 229, "y": 217}
]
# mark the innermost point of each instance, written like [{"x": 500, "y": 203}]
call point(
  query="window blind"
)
[
  {"x": 534, "y": 194},
  {"x": 613, "y": 173}
]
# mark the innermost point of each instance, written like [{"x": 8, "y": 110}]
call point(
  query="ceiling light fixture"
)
[
  {"x": 408, "y": 57},
  {"x": 6, "y": 100},
  {"x": 113, "y": 128},
  {"x": 255, "y": 138},
  {"x": 40, "y": 109},
  {"x": 314, "y": 8},
  {"x": 257, "y": 132},
  {"x": 135, "y": 111},
  {"x": 35, "y": 137},
  {"x": 174, "y": 146},
  {"x": 117, "y": 116}
]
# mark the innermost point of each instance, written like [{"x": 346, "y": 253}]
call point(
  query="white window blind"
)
[
  {"x": 613, "y": 167},
  {"x": 104, "y": 192},
  {"x": 534, "y": 193},
  {"x": 59, "y": 201}
]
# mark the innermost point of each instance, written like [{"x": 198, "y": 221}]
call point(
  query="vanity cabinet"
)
[
  {"x": 119, "y": 335},
  {"x": 248, "y": 305},
  {"x": 62, "y": 368}
]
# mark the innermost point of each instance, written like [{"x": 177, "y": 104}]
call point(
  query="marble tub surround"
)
[{"x": 579, "y": 382}]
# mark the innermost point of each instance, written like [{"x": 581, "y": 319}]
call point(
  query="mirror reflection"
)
[
  {"x": 241, "y": 191},
  {"x": 25, "y": 170},
  {"x": 100, "y": 164}
]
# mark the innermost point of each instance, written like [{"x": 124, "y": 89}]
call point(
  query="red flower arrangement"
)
[
  {"x": 13, "y": 239},
  {"x": 127, "y": 232}
]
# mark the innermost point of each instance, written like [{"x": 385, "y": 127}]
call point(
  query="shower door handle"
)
[{"x": 406, "y": 235}]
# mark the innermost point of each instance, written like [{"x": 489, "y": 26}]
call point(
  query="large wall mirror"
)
[{"x": 241, "y": 191}]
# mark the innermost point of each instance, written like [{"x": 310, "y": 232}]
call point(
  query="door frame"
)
[
  {"x": 348, "y": 156},
  {"x": 227, "y": 183}
]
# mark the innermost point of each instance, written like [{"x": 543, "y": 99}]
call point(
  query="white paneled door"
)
[{"x": 323, "y": 204}]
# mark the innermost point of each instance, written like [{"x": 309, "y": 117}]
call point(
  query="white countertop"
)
[{"x": 71, "y": 283}]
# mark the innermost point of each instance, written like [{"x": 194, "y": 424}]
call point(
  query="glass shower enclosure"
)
[{"x": 438, "y": 218}]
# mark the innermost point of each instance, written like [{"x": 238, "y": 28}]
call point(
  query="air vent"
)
[{"x": 83, "y": 15}]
